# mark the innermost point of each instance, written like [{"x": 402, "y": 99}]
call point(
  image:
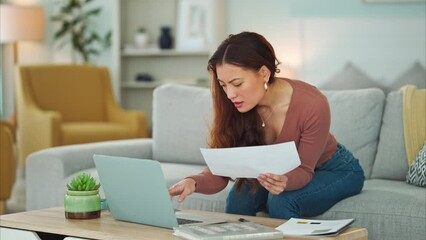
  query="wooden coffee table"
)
[{"x": 52, "y": 222}]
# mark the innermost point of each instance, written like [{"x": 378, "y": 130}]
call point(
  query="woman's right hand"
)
[{"x": 182, "y": 189}]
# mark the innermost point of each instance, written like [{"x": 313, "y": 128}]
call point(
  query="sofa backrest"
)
[
  {"x": 182, "y": 116},
  {"x": 181, "y": 119},
  {"x": 356, "y": 117}
]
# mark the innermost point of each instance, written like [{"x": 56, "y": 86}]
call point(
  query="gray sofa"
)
[{"x": 365, "y": 121}]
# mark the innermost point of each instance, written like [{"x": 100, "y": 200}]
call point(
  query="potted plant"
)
[
  {"x": 82, "y": 200},
  {"x": 141, "y": 38},
  {"x": 76, "y": 28}
]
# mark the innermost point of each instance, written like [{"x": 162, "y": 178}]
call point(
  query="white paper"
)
[
  {"x": 250, "y": 162},
  {"x": 309, "y": 227}
]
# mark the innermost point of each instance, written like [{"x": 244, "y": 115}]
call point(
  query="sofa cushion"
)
[
  {"x": 355, "y": 121},
  {"x": 188, "y": 108},
  {"x": 384, "y": 205},
  {"x": 391, "y": 160},
  {"x": 417, "y": 173}
]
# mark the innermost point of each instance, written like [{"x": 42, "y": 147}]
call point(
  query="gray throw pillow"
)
[
  {"x": 415, "y": 75},
  {"x": 350, "y": 77},
  {"x": 417, "y": 172}
]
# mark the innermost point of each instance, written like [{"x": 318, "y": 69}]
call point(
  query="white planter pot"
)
[{"x": 141, "y": 39}]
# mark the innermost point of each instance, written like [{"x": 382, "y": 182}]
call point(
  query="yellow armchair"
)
[
  {"x": 70, "y": 104},
  {"x": 7, "y": 162}
]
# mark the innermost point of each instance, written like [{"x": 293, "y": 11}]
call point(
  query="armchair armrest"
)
[
  {"x": 136, "y": 120},
  {"x": 11, "y": 127},
  {"x": 44, "y": 123},
  {"x": 46, "y": 169},
  {"x": 7, "y": 160},
  {"x": 38, "y": 129}
]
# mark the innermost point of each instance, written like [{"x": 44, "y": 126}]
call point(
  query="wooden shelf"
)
[
  {"x": 154, "y": 84},
  {"x": 176, "y": 66},
  {"x": 157, "y": 52},
  {"x": 143, "y": 85}
]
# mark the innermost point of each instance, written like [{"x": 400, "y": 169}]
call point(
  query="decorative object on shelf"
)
[
  {"x": 75, "y": 20},
  {"x": 141, "y": 38},
  {"x": 82, "y": 200},
  {"x": 165, "y": 41},
  {"x": 203, "y": 81},
  {"x": 194, "y": 24},
  {"x": 144, "y": 77}
]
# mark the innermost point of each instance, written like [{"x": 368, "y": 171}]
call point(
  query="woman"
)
[{"x": 254, "y": 107}]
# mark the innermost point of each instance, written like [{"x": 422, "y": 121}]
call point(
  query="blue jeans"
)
[{"x": 336, "y": 179}]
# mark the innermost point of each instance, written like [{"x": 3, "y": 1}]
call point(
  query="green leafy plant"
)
[
  {"x": 141, "y": 30},
  {"x": 83, "y": 182},
  {"x": 76, "y": 20}
]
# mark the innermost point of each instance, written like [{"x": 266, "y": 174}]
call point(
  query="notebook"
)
[{"x": 136, "y": 191}]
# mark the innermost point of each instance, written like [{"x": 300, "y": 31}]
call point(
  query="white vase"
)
[{"x": 141, "y": 39}]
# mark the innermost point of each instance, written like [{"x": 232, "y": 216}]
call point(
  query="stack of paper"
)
[
  {"x": 230, "y": 230},
  {"x": 309, "y": 227}
]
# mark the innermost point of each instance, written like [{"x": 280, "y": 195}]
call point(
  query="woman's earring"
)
[{"x": 266, "y": 86}]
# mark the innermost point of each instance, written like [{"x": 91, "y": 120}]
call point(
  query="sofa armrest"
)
[{"x": 46, "y": 169}]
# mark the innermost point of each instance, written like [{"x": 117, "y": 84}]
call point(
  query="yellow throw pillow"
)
[{"x": 414, "y": 112}]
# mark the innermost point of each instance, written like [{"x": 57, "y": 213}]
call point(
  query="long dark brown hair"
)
[{"x": 231, "y": 128}]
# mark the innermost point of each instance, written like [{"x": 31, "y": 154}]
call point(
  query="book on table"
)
[
  {"x": 228, "y": 230},
  {"x": 312, "y": 227}
]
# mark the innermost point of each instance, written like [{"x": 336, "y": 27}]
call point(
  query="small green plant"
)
[{"x": 83, "y": 182}]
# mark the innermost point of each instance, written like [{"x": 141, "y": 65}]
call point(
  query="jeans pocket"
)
[{"x": 342, "y": 160}]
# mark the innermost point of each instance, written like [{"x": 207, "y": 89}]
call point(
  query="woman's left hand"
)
[{"x": 274, "y": 183}]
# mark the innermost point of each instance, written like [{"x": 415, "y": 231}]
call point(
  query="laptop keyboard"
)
[{"x": 182, "y": 221}]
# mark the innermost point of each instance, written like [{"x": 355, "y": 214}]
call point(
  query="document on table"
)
[
  {"x": 250, "y": 162},
  {"x": 311, "y": 227}
]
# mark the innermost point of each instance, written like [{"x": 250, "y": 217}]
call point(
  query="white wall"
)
[{"x": 315, "y": 39}]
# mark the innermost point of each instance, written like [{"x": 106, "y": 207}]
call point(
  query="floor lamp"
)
[{"x": 20, "y": 23}]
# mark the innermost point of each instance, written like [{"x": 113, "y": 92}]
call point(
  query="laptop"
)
[{"x": 136, "y": 191}]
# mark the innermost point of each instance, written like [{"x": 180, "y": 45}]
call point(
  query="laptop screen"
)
[{"x": 136, "y": 190}]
